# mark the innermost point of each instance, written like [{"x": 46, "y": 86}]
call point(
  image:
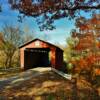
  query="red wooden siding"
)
[{"x": 56, "y": 54}]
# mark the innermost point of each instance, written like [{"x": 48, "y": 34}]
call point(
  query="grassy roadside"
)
[{"x": 6, "y": 73}]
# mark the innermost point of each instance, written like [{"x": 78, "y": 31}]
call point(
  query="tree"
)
[
  {"x": 27, "y": 36},
  {"x": 71, "y": 43},
  {"x": 88, "y": 46},
  {"x": 12, "y": 38},
  {"x": 68, "y": 49},
  {"x": 88, "y": 25},
  {"x": 47, "y": 11}
]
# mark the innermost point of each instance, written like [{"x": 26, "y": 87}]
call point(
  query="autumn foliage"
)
[
  {"x": 88, "y": 46},
  {"x": 47, "y": 11}
]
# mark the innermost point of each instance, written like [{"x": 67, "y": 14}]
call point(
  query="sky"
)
[{"x": 57, "y": 36}]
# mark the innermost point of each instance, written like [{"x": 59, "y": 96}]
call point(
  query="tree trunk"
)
[
  {"x": 10, "y": 61},
  {"x": 6, "y": 62}
]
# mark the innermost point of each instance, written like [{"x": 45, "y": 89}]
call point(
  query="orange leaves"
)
[
  {"x": 82, "y": 63},
  {"x": 89, "y": 44},
  {"x": 84, "y": 27},
  {"x": 97, "y": 71},
  {"x": 94, "y": 20},
  {"x": 91, "y": 59},
  {"x": 98, "y": 45}
]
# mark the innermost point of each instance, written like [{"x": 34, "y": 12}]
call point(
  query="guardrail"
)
[{"x": 67, "y": 76}]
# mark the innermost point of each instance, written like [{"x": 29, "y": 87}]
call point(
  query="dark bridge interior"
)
[{"x": 36, "y": 57}]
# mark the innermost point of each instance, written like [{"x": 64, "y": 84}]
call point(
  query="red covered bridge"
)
[{"x": 38, "y": 53}]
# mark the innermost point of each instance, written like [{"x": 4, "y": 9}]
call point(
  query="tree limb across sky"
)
[{"x": 47, "y": 11}]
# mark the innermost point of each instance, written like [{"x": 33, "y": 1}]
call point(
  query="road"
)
[{"x": 23, "y": 76}]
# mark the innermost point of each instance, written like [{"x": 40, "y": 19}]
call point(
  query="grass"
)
[{"x": 6, "y": 73}]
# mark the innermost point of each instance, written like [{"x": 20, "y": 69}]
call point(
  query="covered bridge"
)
[{"x": 38, "y": 53}]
